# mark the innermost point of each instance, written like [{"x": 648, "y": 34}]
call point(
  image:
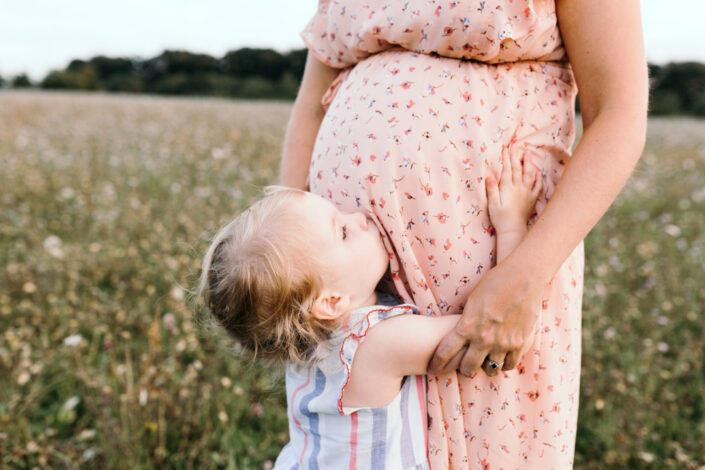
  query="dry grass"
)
[{"x": 106, "y": 204}]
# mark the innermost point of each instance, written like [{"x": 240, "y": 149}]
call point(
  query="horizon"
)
[{"x": 138, "y": 30}]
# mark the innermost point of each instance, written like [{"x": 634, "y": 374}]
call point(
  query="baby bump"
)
[{"x": 412, "y": 137}]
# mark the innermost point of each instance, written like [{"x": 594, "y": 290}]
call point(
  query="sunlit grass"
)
[{"x": 106, "y": 205}]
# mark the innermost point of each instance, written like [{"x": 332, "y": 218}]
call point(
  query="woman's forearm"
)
[
  {"x": 305, "y": 119},
  {"x": 610, "y": 148}
]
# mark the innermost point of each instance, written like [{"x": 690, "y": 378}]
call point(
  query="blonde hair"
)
[{"x": 259, "y": 281}]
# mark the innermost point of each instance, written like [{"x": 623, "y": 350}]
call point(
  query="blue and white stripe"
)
[{"x": 324, "y": 436}]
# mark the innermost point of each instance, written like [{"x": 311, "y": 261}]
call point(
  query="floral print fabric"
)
[
  {"x": 493, "y": 31},
  {"x": 410, "y": 137}
]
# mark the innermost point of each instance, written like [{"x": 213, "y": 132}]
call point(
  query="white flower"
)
[
  {"x": 67, "y": 193},
  {"x": 54, "y": 246},
  {"x": 71, "y": 403},
  {"x": 73, "y": 340},
  {"x": 169, "y": 320},
  {"x": 672, "y": 230},
  {"x": 699, "y": 195},
  {"x": 177, "y": 293}
]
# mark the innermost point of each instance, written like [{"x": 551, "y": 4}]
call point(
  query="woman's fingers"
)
[
  {"x": 511, "y": 360},
  {"x": 473, "y": 359},
  {"x": 493, "y": 363},
  {"x": 454, "y": 363},
  {"x": 448, "y": 348}
]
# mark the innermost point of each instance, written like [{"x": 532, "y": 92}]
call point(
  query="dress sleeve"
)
[
  {"x": 355, "y": 338},
  {"x": 320, "y": 38}
]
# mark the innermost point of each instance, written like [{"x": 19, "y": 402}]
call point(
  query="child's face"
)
[{"x": 349, "y": 245}]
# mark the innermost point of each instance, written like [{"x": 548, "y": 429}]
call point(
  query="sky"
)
[{"x": 37, "y": 36}]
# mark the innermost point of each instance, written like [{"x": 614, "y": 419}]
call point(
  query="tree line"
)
[
  {"x": 676, "y": 88},
  {"x": 242, "y": 73}
]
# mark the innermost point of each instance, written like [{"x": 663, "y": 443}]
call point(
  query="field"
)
[{"x": 106, "y": 206}]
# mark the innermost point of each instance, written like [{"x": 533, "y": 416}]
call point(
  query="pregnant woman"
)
[{"x": 405, "y": 110}]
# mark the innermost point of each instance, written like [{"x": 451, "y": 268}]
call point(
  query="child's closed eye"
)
[{"x": 345, "y": 232}]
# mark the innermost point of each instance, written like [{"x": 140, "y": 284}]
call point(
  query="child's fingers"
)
[
  {"x": 528, "y": 171},
  {"x": 516, "y": 168},
  {"x": 492, "y": 191},
  {"x": 506, "y": 174},
  {"x": 537, "y": 184}
]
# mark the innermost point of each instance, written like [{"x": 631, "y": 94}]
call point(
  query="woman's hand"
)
[{"x": 499, "y": 323}]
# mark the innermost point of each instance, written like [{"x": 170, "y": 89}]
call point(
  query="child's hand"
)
[{"x": 511, "y": 201}]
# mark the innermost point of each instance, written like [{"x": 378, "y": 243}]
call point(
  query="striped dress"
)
[{"x": 324, "y": 434}]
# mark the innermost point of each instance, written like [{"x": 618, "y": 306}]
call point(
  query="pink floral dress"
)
[{"x": 430, "y": 96}]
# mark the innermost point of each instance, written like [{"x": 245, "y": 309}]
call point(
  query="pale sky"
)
[{"x": 39, "y": 35}]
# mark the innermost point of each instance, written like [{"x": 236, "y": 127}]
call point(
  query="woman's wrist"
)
[{"x": 527, "y": 269}]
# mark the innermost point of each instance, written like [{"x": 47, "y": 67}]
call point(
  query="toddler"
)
[{"x": 293, "y": 278}]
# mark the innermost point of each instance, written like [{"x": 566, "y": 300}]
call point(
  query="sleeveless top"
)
[
  {"x": 325, "y": 435},
  {"x": 344, "y": 32}
]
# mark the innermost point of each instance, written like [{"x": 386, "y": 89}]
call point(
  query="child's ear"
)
[{"x": 330, "y": 305}]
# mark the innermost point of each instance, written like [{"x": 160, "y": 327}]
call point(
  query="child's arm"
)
[
  {"x": 511, "y": 201},
  {"x": 507, "y": 241},
  {"x": 393, "y": 348}
]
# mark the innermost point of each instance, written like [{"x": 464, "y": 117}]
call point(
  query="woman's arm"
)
[
  {"x": 306, "y": 117},
  {"x": 604, "y": 42}
]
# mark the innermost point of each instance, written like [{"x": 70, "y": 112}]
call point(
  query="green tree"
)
[
  {"x": 681, "y": 86},
  {"x": 79, "y": 75},
  {"x": 179, "y": 72},
  {"x": 247, "y": 62},
  {"x": 296, "y": 62},
  {"x": 21, "y": 81},
  {"x": 106, "y": 67}
]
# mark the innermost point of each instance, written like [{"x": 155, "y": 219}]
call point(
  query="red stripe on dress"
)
[
  {"x": 353, "y": 441},
  {"x": 293, "y": 416}
]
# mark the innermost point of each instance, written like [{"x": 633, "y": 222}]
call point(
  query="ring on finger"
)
[
  {"x": 495, "y": 365},
  {"x": 492, "y": 364}
]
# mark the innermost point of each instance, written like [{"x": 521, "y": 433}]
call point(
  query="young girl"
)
[{"x": 293, "y": 278}]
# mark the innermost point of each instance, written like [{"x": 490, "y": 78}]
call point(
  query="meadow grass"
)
[{"x": 106, "y": 207}]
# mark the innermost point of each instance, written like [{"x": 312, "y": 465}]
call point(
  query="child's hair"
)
[{"x": 259, "y": 281}]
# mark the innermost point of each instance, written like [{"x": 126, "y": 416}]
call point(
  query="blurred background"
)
[
  {"x": 130, "y": 131},
  {"x": 252, "y": 49}
]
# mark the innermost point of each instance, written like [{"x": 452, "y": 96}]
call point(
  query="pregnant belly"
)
[{"x": 410, "y": 138}]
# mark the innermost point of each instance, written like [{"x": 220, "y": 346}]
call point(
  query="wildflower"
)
[{"x": 73, "y": 340}]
